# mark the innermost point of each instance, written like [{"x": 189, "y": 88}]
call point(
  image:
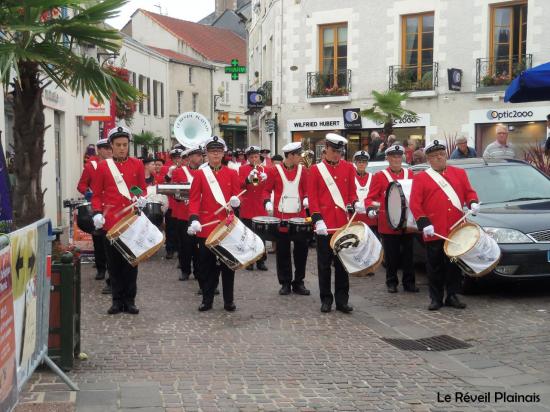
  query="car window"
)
[{"x": 498, "y": 184}]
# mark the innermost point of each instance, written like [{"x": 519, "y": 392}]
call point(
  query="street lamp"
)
[
  {"x": 108, "y": 57},
  {"x": 221, "y": 92}
]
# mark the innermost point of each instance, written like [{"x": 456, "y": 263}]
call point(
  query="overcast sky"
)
[{"x": 192, "y": 10}]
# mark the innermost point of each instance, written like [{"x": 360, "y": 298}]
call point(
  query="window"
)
[
  {"x": 508, "y": 39},
  {"x": 195, "y": 101},
  {"x": 155, "y": 97},
  {"x": 417, "y": 46},
  {"x": 333, "y": 64},
  {"x": 161, "y": 99},
  {"x": 148, "y": 95},
  {"x": 141, "y": 79},
  {"x": 190, "y": 75},
  {"x": 180, "y": 101}
]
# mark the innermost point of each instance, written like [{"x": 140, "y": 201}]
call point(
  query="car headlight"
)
[{"x": 505, "y": 235}]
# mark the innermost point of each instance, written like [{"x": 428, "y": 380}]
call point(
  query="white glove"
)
[
  {"x": 474, "y": 207},
  {"x": 194, "y": 228},
  {"x": 429, "y": 231},
  {"x": 235, "y": 202},
  {"x": 305, "y": 203},
  {"x": 253, "y": 173},
  {"x": 171, "y": 170},
  {"x": 372, "y": 214},
  {"x": 140, "y": 202},
  {"x": 269, "y": 207},
  {"x": 99, "y": 221},
  {"x": 321, "y": 228},
  {"x": 263, "y": 176},
  {"x": 360, "y": 208}
]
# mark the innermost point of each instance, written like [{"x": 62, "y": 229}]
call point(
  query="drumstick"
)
[
  {"x": 351, "y": 220},
  {"x": 211, "y": 223},
  {"x": 227, "y": 204},
  {"x": 445, "y": 238},
  {"x": 131, "y": 205},
  {"x": 462, "y": 218}
]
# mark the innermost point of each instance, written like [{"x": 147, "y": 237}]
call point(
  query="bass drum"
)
[
  {"x": 84, "y": 218},
  {"x": 398, "y": 213},
  {"x": 153, "y": 211}
]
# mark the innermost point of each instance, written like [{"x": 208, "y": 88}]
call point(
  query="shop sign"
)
[
  {"x": 337, "y": 123},
  {"x": 509, "y": 115},
  {"x": 352, "y": 118},
  {"x": 455, "y": 79},
  {"x": 255, "y": 100},
  {"x": 235, "y": 69}
]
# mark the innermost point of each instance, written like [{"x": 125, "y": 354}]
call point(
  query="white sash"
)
[
  {"x": 290, "y": 197},
  {"x": 331, "y": 186},
  {"x": 363, "y": 191},
  {"x": 188, "y": 174},
  {"x": 214, "y": 186},
  {"x": 94, "y": 164},
  {"x": 390, "y": 179},
  {"x": 119, "y": 181},
  {"x": 446, "y": 187}
]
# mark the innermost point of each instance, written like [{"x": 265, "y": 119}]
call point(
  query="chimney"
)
[{"x": 223, "y": 5}]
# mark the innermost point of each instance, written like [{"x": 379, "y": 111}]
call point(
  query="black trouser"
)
[
  {"x": 209, "y": 276},
  {"x": 187, "y": 251},
  {"x": 171, "y": 230},
  {"x": 398, "y": 250},
  {"x": 99, "y": 251},
  {"x": 325, "y": 258},
  {"x": 442, "y": 273},
  {"x": 284, "y": 263},
  {"x": 123, "y": 276},
  {"x": 248, "y": 224}
]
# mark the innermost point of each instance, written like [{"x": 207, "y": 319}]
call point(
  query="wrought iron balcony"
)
[
  {"x": 414, "y": 78},
  {"x": 498, "y": 73},
  {"x": 328, "y": 85},
  {"x": 267, "y": 91}
]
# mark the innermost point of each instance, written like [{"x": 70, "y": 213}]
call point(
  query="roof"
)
[
  {"x": 215, "y": 44},
  {"x": 179, "y": 58}
]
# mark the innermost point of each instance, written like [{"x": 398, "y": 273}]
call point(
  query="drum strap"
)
[
  {"x": 214, "y": 186},
  {"x": 331, "y": 186},
  {"x": 390, "y": 179},
  {"x": 363, "y": 191},
  {"x": 94, "y": 164},
  {"x": 446, "y": 187},
  {"x": 119, "y": 181},
  {"x": 188, "y": 174}
]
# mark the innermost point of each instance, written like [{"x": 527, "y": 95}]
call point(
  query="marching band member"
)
[
  {"x": 170, "y": 229},
  {"x": 288, "y": 181},
  {"x": 331, "y": 194},
  {"x": 111, "y": 188},
  {"x": 212, "y": 187},
  {"x": 104, "y": 151},
  {"x": 264, "y": 157},
  {"x": 398, "y": 245},
  {"x": 253, "y": 180},
  {"x": 149, "y": 165},
  {"x": 437, "y": 197}
]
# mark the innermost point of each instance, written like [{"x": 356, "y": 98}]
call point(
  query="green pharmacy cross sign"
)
[{"x": 235, "y": 69}]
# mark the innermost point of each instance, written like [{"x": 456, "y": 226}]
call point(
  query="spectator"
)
[
  {"x": 500, "y": 148},
  {"x": 374, "y": 144},
  {"x": 410, "y": 148},
  {"x": 418, "y": 157},
  {"x": 462, "y": 150}
]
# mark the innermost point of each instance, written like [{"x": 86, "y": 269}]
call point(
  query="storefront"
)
[
  {"x": 234, "y": 136},
  {"x": 526, "y": 126},
  {"x": 312, "y": 132}
]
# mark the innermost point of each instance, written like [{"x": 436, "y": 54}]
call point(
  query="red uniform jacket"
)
[
  {"x": 363, "y": 181},
  {"x": 321, "y": 204},
  {"x": 106, "y": 197},
  {"x": 88, "y": 174},
  {"x": 377, "y": 193},
  {"x": 429, "y": 201},
  {"x": 252, "y": 201},
  {"x": 274, "y": 184},
  {"x": 203, "y": 205},
  {"x": 163, "y": 178},
  {"x": 181, "y": 208}
]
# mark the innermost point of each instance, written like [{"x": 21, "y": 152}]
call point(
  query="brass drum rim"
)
[
  {"x": 124, "y": 223},
  {"x": 218, "y": 235},
  {"x": 456, "y": 229},
  {"x": 339, "y": 231}
]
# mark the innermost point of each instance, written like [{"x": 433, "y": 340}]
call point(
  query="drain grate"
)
[{"x": 438, "y": 343}]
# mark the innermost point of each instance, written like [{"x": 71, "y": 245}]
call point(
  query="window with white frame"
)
[
  {"x": 180, "y": 101},
  {"x": 195, "y": 101}
]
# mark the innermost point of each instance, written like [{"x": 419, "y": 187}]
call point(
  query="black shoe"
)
[
  {"x": 184, "y": 276},
  {"x": 435, "y": 305},
  {"x": 261, "y": 266},
  {"x": 392, "y": 289},
  {"x": 285, "y": 290},
  {"x": 204, "y": 307},
  {"x": 114, "y": 309},
  {"x": 131, "y": 308},
  {"x": 454, "y": 302},
  {"x": 100, "y": 275},
  {"x": 326, "y": 307},
  {"x": 301, "y": 290},
  {"x": 412, "y": 289},
  {"x": 169, "y": 255},
  {"x": 250, "y": 267},
  {"x": 345, "y": 308},
  {"x": 230, "y": 307},
  {"x": 107, "y": 290}
]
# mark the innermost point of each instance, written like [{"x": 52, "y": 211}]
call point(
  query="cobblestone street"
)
[{"x": 281, "y": 353}]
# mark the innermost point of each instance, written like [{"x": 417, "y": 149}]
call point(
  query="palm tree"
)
[
  {"x": 387, "y": 108},
  {"x": 41, "y": 42}
]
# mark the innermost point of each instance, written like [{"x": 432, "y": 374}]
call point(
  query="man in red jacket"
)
[
  {"x": 111, "y": 194},
  {"x": 252, "y": 177},
  {"x": 437, "y": 198},
  {"x": 104, "y": 151},
  {"x": 288, "y": 182},
  {"x": 214, "y": 186},
  {"x": 398, "y": 244},
  {"x": 332, "y": 197}
]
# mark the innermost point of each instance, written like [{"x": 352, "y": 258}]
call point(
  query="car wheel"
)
[{"x": 469, "y": 285}]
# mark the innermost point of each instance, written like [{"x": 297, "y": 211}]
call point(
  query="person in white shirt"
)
[{"x": 500, "y": 148}]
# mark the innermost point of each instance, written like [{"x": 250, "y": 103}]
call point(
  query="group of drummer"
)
[{"x": 320, "y": 200}]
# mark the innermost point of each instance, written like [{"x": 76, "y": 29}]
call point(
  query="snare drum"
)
[
  {"x": 300, "y": 228},
  {"x": 153, "y": 211},
  {"x": 84, "y": 218},
  {"x": 235, "y": 245},
  {"x": 358, "y": 249},
  {"x": 267, "y": 227},
  {"x": 136, "y": 238},
  {"x": 473, "y": 250},
  {"x": 397, "y": 206}
]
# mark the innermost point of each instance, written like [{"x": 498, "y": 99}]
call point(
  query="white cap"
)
[
  {"x": 119, "y": 131},
  {"x": 292, "y": 147},
  {"x": 215, "y": 142},
  {"x": 176, "y": 152},
  {"x": 361, "y": 153},
  {"x": 103, "y": 142},
  {"x": 335, "y": 140},
  {"x": 252, "y": 149},
  {"x": 192, "y": 150},
  {"x": 395, "y": 149},
  {"x": 433, "y": 146}
]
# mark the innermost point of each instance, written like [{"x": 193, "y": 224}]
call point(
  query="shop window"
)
[
  {"x": 333, "y": 64},
  {"x": 417, "y": 48}
]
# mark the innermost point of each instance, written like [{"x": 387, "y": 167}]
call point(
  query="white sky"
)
[{"x": 192, "y": 10}]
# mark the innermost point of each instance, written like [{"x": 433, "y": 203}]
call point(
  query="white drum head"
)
[
  {"x": 396, "y": 206},
  {"x": 464, "y": 238}
]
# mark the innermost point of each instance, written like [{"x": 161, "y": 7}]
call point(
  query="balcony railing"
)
[
  {"x": 267, "y": 91},
  {"x": 495, "y": 73},
  {"x": 414, "y": 78},
  {"x": 328, "y": 85}
]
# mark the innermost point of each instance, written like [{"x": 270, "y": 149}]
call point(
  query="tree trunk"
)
[
  {"x": 388, "y": 128},
  {"x": 28, "y": 133}
]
